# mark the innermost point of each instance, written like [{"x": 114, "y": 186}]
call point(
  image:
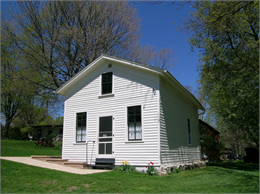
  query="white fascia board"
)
[
  {"x": 135, "y": 64},
  {"x": 61, "y": 90},
  {"x": 189, "y": 95}
]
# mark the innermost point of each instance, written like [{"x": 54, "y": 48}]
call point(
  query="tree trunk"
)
[{"x": 6, "y": 132}]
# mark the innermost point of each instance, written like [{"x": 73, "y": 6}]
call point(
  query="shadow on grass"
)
[{"x": 235, "y": 165}]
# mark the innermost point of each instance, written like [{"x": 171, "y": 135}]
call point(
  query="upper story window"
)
[
  {"x": 134, "y": 117},
  {"x": 107, "y": 82},
  {"x": 81, "y": 127},
  {"x": 189, "y": 131}
]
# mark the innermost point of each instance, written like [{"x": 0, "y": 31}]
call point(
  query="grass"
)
[
  {"x": 26, "y": 148},
  {"x": 21, "y": 178},
  {"x": 221, "y": 177}
]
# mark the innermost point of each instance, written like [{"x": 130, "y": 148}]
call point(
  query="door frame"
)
[{"x": 97, "y": 133}]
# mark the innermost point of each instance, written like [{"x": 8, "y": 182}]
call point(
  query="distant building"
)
[
  {"x": 208, "y": 146},
  {"x": 45, "y": 130}
]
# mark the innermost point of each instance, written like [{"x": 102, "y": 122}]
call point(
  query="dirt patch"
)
[
  {"x": 72, "y": 188},
  {"x": 86, "y": 185}
]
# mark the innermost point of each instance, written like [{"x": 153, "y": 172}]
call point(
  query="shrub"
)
[
  {"x": 239, "y": 161},
  {"x": 14, "y": 133},
  {"x": 151, "y": 170},
  {"x": 51, "y": 136},
  {"x": 125, "y": 167},
  {"x": 59, "y": 144},
  {"x": 27, "y": 130},
  {"x": 177, "y": 170}
]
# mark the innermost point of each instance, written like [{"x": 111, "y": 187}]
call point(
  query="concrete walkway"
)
[{"x": 43, "y": 164}]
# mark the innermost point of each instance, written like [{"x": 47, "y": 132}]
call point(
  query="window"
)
[
  {"x": 134, "y": 123},
  {"x": 81, "y": 127},
  {"x": 107, "y": 83},
  {"x": 189, "y": 131}
]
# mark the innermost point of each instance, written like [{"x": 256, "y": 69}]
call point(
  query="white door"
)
[{"x": 105, "y": 137}]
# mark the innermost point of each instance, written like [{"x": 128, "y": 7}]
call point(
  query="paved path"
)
[{"x": 43, "y": 164}]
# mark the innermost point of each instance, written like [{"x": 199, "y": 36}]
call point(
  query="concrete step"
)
[
  {"x": 44, "y": 158},
  {"x": 65, "y": 162},
  {"x": 57, "y": 161},
  {"x": 80, "y": 165}
]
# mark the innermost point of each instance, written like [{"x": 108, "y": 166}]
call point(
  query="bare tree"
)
[
  {"x": 177, "y": 3},
  {"x": 150, "y": 55},
  {"x": 61, "y": 38}
]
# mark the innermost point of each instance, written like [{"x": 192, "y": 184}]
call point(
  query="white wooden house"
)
[{"x": 117, "y": 109}]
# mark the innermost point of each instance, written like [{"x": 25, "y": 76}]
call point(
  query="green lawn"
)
[
  {"x": 26, "y": 148},
  {"x": 215, "y": 178}
]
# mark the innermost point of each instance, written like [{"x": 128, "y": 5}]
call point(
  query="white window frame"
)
[
  {"x": 126, "y": 124},
  {"x": 113, "y": 81},
  {"x": 75, "y": 127}
]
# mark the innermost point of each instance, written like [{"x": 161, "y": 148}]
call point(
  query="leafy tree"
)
[
  {"x": 227, "y": 34},
  {"x": 36, "y": 111},
  {"x": 207, "y": 116},
  {"x": 11, "y": 86},
  {"x": 48, "y": 121},
  {"x": 59, "y": 120},
  {"x": 28, "y": 131},
  {"x": 22, "y": 103},
  {"x": 233, "y": 141}
]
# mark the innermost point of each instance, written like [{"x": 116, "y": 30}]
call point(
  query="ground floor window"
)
[
  {"x": 81, "y": 123},
  {"x": 189, "y": 130},
  {"x": 134, "y": 118}
]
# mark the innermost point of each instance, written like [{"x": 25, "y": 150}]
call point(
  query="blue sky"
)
[{"x": 158, "y": 29}]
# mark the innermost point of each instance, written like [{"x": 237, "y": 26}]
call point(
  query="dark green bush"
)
[{"x": 14, "y": 133}]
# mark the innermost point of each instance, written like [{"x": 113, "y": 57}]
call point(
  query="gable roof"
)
[
  {"x": 61, "y": 90},
  {"x": 209, "y": 127}
]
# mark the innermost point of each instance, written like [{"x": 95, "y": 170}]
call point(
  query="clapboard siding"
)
[
  {"x": 131, "y": 87},
  {"x": 175, "y": 109}
]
